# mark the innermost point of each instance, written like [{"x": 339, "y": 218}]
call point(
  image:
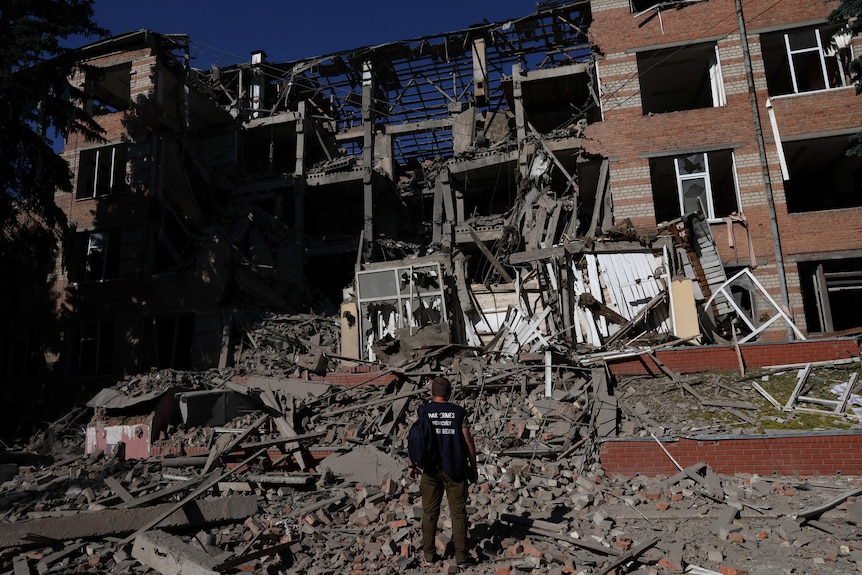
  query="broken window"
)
[
  {"x": 822, "y": 175},
  {"x": 95, "y": 348},
  {"x": 832, "y": 294},
  {"x": 102, "y": 171},
  {"x": 805, "y": 60},
  {"x": 109, "y": 89},
  {"x": 102, "y": 255},
  {"x": 399, "y": 297},
  {"x": 681, "y": 78},
  {"x": 682, "y": 184}
]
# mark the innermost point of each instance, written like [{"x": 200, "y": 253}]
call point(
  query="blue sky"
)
[{"x": 225, "y": 33}]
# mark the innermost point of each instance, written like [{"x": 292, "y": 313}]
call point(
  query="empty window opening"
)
[
  {"x": 110, "y": 89},
  {"x": 638, "y": 6},
  {"x": 21, "y": 353},
  {"x": 560, "y": 103},
  {"x": 682, "y": 184},
  {"x": 174, "y": 336},
  {"x": 805, "y": 60},
  {"x": 102, "y": 256},
  {"x": 95, "y": 349},
  {"x": 684, "y": 78},
  {"x": 832, "y": 294},
  {"x": 102, "y": 171},
  {"x": 822, "y": 175},
  {"x": 174, "y": 245}
]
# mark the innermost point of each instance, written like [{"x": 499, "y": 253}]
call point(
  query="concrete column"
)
[
  {"x": 368, "y": 157},
  {"x": 303, "y": 129},
  {"x": 520, "y": 118}
]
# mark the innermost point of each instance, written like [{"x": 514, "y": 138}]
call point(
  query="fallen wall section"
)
[
  {"x": 723, "y": 358},
  {"x": 787, "y": 455}
]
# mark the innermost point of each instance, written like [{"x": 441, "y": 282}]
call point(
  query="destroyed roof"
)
[{"x": 422, "y": 79}]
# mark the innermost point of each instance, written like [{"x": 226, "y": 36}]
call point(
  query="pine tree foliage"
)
[{"x": 37, "y": 102}]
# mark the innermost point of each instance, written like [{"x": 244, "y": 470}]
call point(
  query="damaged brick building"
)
[{"x": 590, "y": 176}]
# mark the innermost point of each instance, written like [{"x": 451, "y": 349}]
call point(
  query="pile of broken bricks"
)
[{"x": 542, "y": 503}]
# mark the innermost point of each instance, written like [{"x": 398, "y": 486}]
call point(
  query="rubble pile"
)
[{"x": 301, "y": 475}]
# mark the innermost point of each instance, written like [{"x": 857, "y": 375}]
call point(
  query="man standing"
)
[{"x": 455, "y": 465}]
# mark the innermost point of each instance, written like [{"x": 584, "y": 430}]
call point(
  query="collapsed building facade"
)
[{"x": 589, "y": 177}]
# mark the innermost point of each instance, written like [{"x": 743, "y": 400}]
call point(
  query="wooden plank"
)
[
  {"x": 44, "y": 564},
  {"x": 528, "y": 524},
  {"x": 237, "y": 561},
  {"x": 666, "y": 370},
  {"x": 160, "y": 494},
  {"x": 208, "y": 482},
  {"x": 629, "y": 555},
  {"x": 553, "y": 222},
  {"x": 766, "y": 395},
  {"x": 845, "y": 397},
  {"x": 228, "y": 446},
  {"x": 375, "y": 402},
  {"x": 117, "y": 488},
  {"x": 821, "y": 509},
  {"x": 601, "y": 190},
  {"x": 798, "y": 389},
  {"x": 537, "y": 254},
  {"x": 538, "y": 228},
  {"x": 487, "y": 253},
  {"x": 284, "y": 426}
]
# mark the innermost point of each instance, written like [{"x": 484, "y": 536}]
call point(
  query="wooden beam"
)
[{"x": 487, "y": 253}]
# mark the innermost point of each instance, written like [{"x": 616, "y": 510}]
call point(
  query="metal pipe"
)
[{"x": 764, "y": 162}]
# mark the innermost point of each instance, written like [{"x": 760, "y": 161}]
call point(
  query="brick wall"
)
[
  {"x": 629, "y": 138},
  {"x": 809, "y": 454},
  {"x": 723, "y": 358}
]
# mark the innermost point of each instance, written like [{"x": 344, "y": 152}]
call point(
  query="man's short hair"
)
[{"x": 440, "y": 387}]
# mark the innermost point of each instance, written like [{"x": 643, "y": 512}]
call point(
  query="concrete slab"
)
[
  {"x": 366, "y": 465},
  {"x": 115, "y": 522},
  {"x": 170, "y": 555}
]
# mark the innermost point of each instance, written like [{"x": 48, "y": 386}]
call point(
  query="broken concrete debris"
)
[
  {"x": 224, "y": 487},
  {"x": 556, "y": 322}
]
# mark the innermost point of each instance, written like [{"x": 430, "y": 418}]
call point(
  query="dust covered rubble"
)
[{"x": 542, "y": 504}]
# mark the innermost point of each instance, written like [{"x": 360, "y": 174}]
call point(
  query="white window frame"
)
[
  {"x": 716, "y": 78},
  {"x": 96, "y": 242},
  {"x": 101, "y": 245},
  {"x": 97, "y": 159},
  {"x": 681, "y": 179},
  {"x": 791, "y": 53},
  {"x": 706, "y": 177}
]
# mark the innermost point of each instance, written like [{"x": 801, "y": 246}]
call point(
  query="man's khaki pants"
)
[{"x": 432, "y": 487}]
